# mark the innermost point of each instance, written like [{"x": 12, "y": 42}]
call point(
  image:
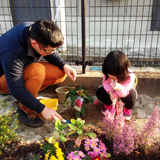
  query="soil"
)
[{"x": 18, "y": 150}]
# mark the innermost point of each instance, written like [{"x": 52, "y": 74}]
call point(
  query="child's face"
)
[{"x": 112, "y": 77}]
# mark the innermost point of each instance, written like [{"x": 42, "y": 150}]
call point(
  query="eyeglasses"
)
[{"x": 44, "y": 49}]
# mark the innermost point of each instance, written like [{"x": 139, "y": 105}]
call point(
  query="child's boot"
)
[
  {"x": 110, "y": 108},
  {"x": 127, "y": 114}
]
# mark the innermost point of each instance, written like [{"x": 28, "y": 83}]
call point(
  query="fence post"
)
[{"x": 83, "y": 12}]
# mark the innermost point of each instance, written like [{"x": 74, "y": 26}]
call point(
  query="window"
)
[{"x": 155, "y": 24}]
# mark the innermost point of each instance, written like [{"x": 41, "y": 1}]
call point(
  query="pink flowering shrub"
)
[
  {"x": 124, "y": 142},
  {"x": 113, "y": 125},
  {"x": 145, "y": 139},
  {"x": 95, "y": 147},
  {"x": 124, "y": 136}
]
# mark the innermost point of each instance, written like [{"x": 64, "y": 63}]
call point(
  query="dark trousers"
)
[{"x": 129, "y": 100}]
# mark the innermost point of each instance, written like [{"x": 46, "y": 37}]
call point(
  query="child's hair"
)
[
  {"x": 46, "y": 32},
  {"x": 116, "y": 63}
]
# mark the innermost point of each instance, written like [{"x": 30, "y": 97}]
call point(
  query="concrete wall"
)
[{"x": 148, "y": 81}]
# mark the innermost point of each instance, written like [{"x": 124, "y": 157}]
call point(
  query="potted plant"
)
[{"x": 79, "y": 98}]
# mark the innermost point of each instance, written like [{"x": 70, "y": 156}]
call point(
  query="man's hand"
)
[
  {"x": 49, "y": 114},
  {"x": 71, "y": 72}
]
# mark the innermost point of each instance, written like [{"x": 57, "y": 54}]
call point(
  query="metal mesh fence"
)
[{"x": 126, "y": 25}]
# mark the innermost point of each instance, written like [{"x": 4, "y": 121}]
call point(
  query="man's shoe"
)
[
  {"x": 127, "y": 114},
  {"x": 110, "y": 108},
  {"x": 32, "y": 122}
]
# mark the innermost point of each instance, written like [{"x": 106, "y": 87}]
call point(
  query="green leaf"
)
[
  {"x": 79, "y": 121},
  {"x": 51, "y": 140},
  {"x": 71, "y": 132},
  {"x": 72, "y": 127},
  {"x": 62, "y": 138},
  {"x": 66, "y": 125},
  {"x": 83, "y": 111},
  {"x": 77, "y": 114},
  {"x": 86, "y": 100},
  {"x": 58, "y": 125},
  {"x": 55, "y": 134},
  {"x": 108, "y": 155},
  {"x": 90, "y": 98},
  {"x": 72, "y": 91},
  {"x": 90, "y": 134},
  {"x": 66, "y": 101},
  {"x": 80, "y": 88},
  {"x": 79, "y": 131}
]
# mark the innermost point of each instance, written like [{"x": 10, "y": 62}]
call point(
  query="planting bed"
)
[
  {"x": 20, "y": 150},
  {"x": 27, "y": 151}
]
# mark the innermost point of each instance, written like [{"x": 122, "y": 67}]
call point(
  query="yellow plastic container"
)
[{"x": 50, "y": 103}]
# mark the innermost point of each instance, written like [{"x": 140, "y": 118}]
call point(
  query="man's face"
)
[{"x": 41, "y": 50}]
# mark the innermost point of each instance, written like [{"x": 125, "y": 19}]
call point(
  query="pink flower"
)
[
  {"x": 86, "y": 148},
  {"x": 102, "y": 146},
  {"x": 81, "y": 154},
  {"x": 91, "y": 154},
  {"x": 70, "y": 155},
  {"x": 95, "y": 147},
  {"x": 87, "y": 142},
  {"x": 76, "y": 157}
]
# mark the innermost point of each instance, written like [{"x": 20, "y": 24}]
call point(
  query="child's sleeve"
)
[
  {"x": 126, "y": 86},
  {"x": 106, "y": 85}
]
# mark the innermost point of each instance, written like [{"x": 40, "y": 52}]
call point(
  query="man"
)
[{"x": 22, "y": 74}]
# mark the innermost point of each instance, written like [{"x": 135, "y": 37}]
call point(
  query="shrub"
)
[
  {"x": 124, "y": 142},
  {"x": 124, "y": 136},
  {"x": 113, "y": 125},
  {"x": 145, "y": 139},
  {"x": 8, "y": 123}
]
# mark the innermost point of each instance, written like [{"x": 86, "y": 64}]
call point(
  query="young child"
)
[{"x": 118, "y": 81}]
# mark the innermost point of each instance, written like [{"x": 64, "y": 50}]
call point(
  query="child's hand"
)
[
  {"x": 113, "y": 83},
  {"x": 117, "y": 87}
]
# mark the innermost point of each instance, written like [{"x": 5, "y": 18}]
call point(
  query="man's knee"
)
[{"x": 34, "y": 70}]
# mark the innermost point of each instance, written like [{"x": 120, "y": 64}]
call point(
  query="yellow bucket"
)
[{"x": 50, "y": 103}]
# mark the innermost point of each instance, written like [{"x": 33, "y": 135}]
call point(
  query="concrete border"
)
[{"x": 148, "y": 81}]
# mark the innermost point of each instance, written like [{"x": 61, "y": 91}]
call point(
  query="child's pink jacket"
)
[{"x": 126, "y": 86}]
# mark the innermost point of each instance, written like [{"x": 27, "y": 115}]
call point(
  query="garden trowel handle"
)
[
  {"x": 64, "y": 120},
  {"x": 114, "y": 102}
]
